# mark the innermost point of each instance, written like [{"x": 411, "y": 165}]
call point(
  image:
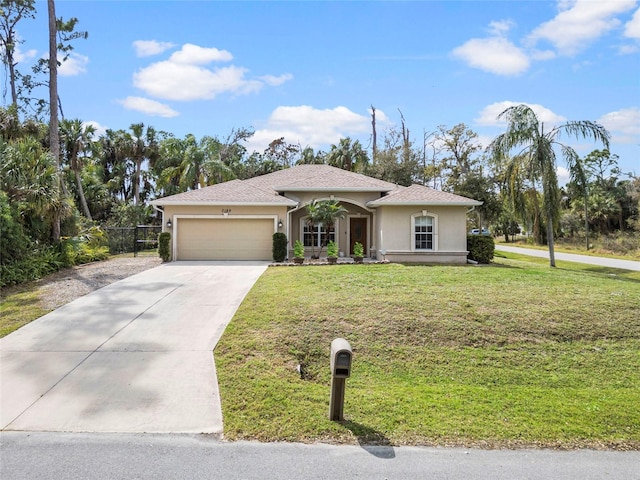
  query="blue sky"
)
[{"x": 309, "y": 71}]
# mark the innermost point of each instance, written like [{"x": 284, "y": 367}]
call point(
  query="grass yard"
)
[
  {"x": 508, "y": 355},
  {"x": 19, "y": 307}
]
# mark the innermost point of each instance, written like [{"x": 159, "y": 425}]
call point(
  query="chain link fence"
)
[{"x": 141, "y": 238}]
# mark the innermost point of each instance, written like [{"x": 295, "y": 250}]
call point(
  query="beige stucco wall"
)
[
  {"x": 171, "y": 211},
  {"x": 395, "y": 234},
  {"x": 342, "y": 226}
]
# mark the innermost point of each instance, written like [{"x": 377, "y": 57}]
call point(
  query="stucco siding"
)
[{"x": 395, "y": 233}]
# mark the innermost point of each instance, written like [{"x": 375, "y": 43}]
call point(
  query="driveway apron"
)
[{"x": 135, "y": 356}]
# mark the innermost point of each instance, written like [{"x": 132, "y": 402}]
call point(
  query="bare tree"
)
[
  {"x": 374, "y": 150},
  {"x": 11, "y": 12}
]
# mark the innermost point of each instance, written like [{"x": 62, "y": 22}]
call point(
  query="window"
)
[
  {"x": 423, "y": 232},
  {"x": 316, "y": 236}
]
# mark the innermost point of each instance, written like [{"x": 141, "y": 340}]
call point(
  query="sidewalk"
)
[{"x": 572, "y": 257}]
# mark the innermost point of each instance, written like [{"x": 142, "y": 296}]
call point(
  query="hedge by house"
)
[
  {"x": 164, "y": 246},
  {"x": 481, "y": 248},
  {"x": 279, "y": 247}
]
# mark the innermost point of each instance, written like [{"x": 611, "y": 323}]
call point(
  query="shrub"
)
[
  {"x": 358, "y": 250},
  {"x": 332, "y": 250},
  {"x": 32, "y": 267},
  {"x": 298, "y": 249},
  {"x": 279, "y": 247},
  {"x": 164, "y": 246},
  {"x": 481, "y": 248}
]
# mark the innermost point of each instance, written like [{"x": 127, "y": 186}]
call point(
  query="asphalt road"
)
[
  {"x": 60, "y": 456},
  {"x": 572, "y": 257}
]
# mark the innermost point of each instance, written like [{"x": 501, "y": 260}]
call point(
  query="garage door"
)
[{"x": 224, "y": 239}]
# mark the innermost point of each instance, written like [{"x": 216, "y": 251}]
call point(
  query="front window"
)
[
  {"x": 317, "y": 236},
  {"x": 423, "y": 231}
]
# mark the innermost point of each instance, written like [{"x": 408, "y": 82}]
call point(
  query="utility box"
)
[{"x": 341, "y": 355}]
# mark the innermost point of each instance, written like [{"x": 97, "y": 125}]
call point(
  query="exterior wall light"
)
[
  {"x": 279, "y": 223},
  {"x": 169, "y": 224}
]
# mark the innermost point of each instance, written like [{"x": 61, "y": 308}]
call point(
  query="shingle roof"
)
[
  {"x": 266, "y": 189},
  {"x": 318, "y": 178},
  {"x": 227, "y": 193},
  {"x": 421, "y": 195}
]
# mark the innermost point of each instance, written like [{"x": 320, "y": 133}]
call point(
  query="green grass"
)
[
  {"x": 512, "y": 354},
  {"x": 19, "y": 306}
]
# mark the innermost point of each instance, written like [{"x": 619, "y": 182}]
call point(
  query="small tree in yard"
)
[
  {"x": 325, "y": 213},
  {"x": 536, "y": 161}
]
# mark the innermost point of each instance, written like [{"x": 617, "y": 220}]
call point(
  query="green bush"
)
[
  {"x": 15, "y": 244},
  {"x": 298, "y": 249},
  {"x": 164, "y": 246},
  {"x": 279, "y": 247},
  {"x": 481, "y": 248},
  {"x": 32, "y": 267},
  {"x": 332, "y": 250}
]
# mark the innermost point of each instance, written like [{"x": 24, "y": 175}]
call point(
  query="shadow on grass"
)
[{"x": 371, "y": 440}]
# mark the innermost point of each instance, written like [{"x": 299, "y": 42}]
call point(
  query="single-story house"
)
[{"x": 236, "y": 220}]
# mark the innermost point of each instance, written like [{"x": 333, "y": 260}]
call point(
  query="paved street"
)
[
  {"x": 47, "y": 456},
  {"x": 572, "y": 257},
  {"x": 135, "y": 356}
]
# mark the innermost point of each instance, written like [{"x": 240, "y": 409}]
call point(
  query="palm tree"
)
[
  {"x": 536, "y": 160},
  {"x": 76, "y": 139},
  {"x": 141, "y": 146},
  {"x": 29, "y": 176},
  {"x": 348, "y": 156},
  {"x": 54, "y": 141},
  {"x": 325, "y": 213}
]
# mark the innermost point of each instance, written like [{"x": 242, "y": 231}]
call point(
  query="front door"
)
[{"x": 358, "y": 233}]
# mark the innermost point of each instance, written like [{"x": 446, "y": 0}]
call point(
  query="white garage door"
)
[{"x": 224, "y": 239}]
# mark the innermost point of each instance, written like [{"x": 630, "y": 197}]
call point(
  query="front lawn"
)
[{"x": 512, "y": 354}]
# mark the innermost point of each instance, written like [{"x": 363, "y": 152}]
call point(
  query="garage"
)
[{"x": 224, "y": 238}]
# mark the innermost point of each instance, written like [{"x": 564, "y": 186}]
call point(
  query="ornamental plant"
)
[
  {"x": 332, "y": 249},
  {"x": 298, "y": 249}
]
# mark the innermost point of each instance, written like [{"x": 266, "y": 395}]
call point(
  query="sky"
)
[{"x": 310, "y": 71}]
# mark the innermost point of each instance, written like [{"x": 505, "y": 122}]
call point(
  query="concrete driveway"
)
[{"x": 135, "y": 356}]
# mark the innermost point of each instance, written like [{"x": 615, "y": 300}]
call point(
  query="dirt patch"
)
[{"x": 66, "y": 285}]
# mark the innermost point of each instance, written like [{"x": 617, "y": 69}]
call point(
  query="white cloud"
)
[
  {"x": 20, "y": 56},
  {"x": 309, "y": 126},
  {"x": 632, "y": 28},
  {"x": 274, "y": 81},
  {"x": 185, "y": 76},
  {"x": 147, "y": 48},
  {"x": 150, "y": 107},
  {"x": 580, "y": 22},
  {"x": 624, "y": 125},
  {"x": 495, "y": 55},
  {"x": 191, "y": 54},
  {"x": 171, "y": 81},
  {"x": 99, "y": 129},
  {"x": 500, "y": 27},
  {"x": 489, "y": 114},
  {"x": 74, "y": 65}
]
